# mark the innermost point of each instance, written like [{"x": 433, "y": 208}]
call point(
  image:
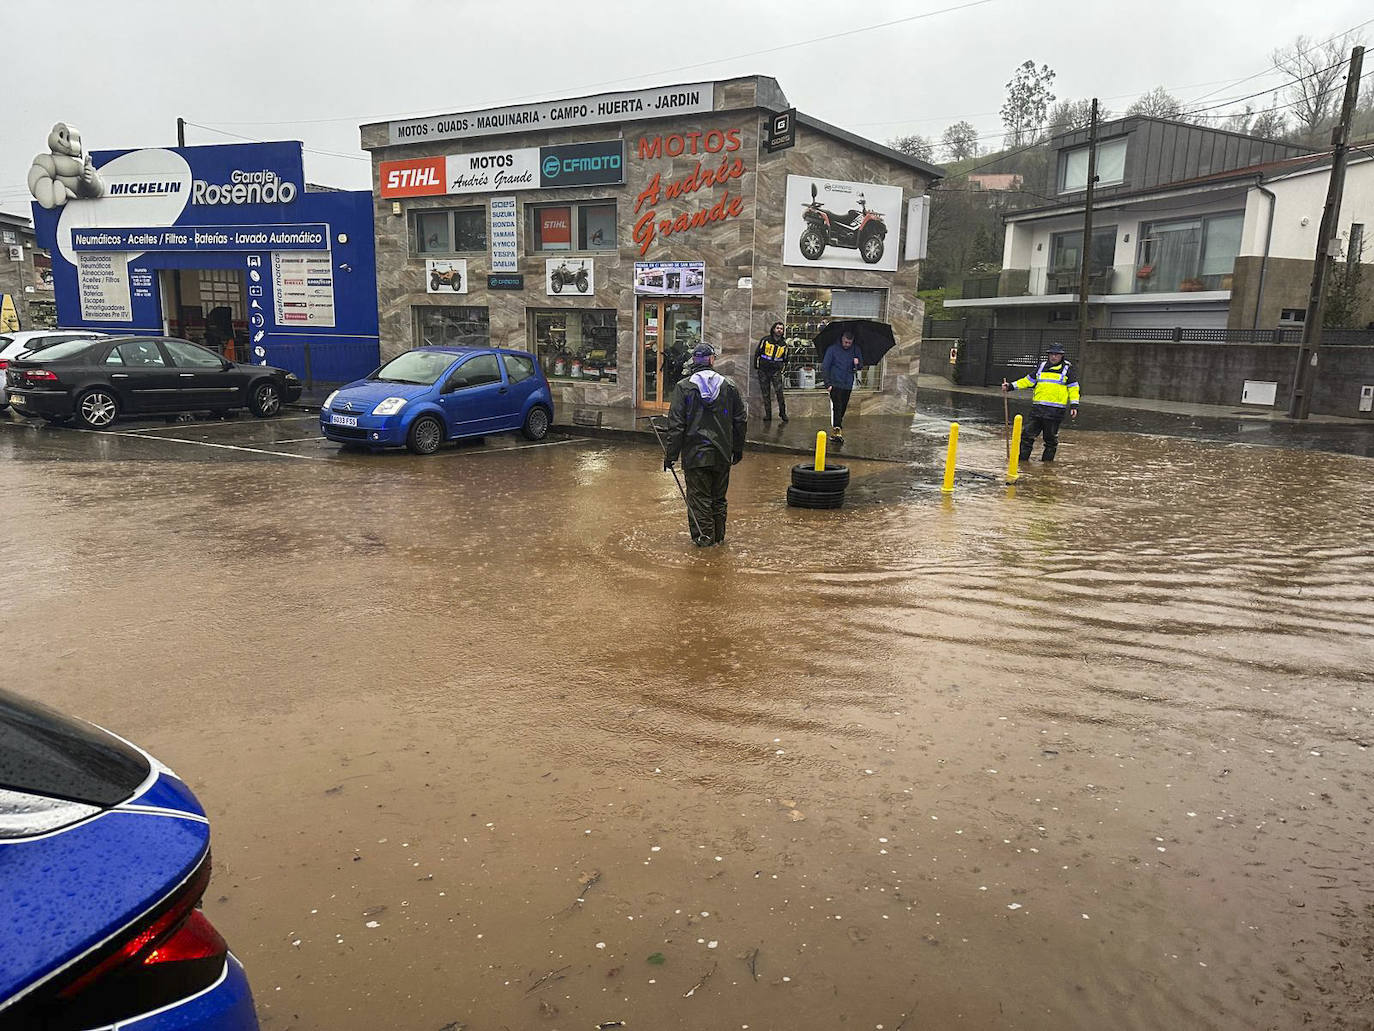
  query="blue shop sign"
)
[
  {"x": 582, "y": 164},
  {"x": 300, "y": 236}
]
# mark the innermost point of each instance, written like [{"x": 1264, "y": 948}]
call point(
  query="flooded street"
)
[{"x": 486, "y": 744}]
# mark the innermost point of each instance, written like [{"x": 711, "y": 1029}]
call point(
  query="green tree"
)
[
  {"x": 1343, "y": 290},
  {"x": 960, "y": 141},
  {"x": 1028, "y": 102}
]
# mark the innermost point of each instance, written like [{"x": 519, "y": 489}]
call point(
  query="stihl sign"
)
[{"x": 418, "y": 177}]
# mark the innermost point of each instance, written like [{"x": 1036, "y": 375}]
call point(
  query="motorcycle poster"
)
[
  {"x": 446, "y": 276},
  {"x": 831, "y": 223},
  {"x": 568, "y": 276}
]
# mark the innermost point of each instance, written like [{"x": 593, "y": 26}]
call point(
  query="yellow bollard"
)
[
  {"x": 820, "y": 451},
  {"x": 948, "y": 486},
  {"x": 1014, "y": 455}
]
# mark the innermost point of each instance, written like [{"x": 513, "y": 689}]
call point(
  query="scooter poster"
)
[{"x": 831, "y": 223}]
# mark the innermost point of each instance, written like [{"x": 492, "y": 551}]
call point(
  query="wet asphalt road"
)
[{"x": 486, "y": 743}]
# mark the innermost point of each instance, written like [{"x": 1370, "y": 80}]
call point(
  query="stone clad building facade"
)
[{"x": 610, "y": 234}]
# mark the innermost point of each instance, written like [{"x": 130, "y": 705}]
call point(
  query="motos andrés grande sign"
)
[{"x": 715, "y": 169}]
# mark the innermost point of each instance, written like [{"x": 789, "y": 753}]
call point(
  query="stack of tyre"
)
[{"x": 813, "y": 488}]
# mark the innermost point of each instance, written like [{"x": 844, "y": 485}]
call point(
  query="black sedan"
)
[{"x": 96, "y": 381}]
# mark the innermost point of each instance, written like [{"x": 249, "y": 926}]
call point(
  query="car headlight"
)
[
  {"x": 390, "y": 406},
  {"x": 330, "y": 399}
]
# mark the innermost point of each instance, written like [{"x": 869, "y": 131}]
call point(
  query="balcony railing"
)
[{"x": 1112, "y": 279}]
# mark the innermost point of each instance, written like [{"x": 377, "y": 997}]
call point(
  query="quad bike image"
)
[
  {"x": 861, "y": 230},
  {"x": 564, "y": 276},
  {"x": 449, "y": 277}
]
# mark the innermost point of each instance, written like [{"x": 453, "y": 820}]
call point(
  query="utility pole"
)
[
  {"x": 181, "y": 131},
  {"x": 1327, "y": 244},
  {"x": 1085, "y": 265}
]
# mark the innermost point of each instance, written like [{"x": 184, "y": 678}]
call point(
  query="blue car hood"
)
[
  {"x": 65, "y": 892},
  {"x": 372, "y": 392}
]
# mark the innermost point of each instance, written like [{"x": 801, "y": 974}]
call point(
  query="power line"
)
[
  {"x": 250, "y": 139},
  {"x": 1273, "y": 67}
]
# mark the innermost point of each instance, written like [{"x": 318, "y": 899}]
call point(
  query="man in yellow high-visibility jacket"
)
[{"x": 1056, "y": 391}]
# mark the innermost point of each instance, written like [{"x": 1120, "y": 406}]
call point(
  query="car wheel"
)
[
  {"x": 812, "y": 243},
  {"x": 536, "y": 423},
  {"x": 798, "y": 498},
  {"x": 871, "y": 249},
  {"x": 266, "y": 400},
  {"x": 426, "y": 434},
  {"x": 97, "y": 408},
  {"x": 829, "y": 480}
]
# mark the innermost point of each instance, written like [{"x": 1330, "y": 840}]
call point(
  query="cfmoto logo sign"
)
[{"x": 552, "y": 166}]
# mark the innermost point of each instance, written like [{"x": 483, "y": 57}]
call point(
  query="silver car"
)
[{"x": 12, "y": 345}]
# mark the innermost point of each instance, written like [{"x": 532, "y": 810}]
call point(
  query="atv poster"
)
[
  {"x": 446, "y": 276},
  {"x": 836, "y": 224},
  {"x": 564, "y": 276}
]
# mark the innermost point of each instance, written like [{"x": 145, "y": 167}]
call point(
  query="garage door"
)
[{"x": 1168, "y": 318}]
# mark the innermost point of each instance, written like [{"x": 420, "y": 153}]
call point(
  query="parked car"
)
[
  {"x": 428, "y": 395},
  {"x": 104, "y": 857},
  {"x": 12, "y": 345},
  {"x": 97, "y": 381}
]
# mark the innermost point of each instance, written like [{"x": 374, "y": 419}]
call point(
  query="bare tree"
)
[
  {"x": 1028, "y": 101},
  {"x": 1159, "y": 103},
  {"x": 1068, "y": 115},
  {"x": 920, "y": 147},
  {"x": 1318, "y": 72},
  {"x": 960, "y": 141},
  {"x": 1272, "y": 124}
]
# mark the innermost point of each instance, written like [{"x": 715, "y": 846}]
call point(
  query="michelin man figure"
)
[{"x": 66, "y": 173}]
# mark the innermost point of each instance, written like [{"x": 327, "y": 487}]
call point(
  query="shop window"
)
[
  {"x": 451, "y": 325},
  {"x": 809, "y": 308},
  {"x": 575, "y": 345},
  {"x": 585, "y": 226},
  {"x": 448, "y": 231}
]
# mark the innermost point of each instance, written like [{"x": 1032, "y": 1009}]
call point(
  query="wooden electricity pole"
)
[
  {"x": 1085, "y": 264},
  {"x": 1328, "y": 243}
]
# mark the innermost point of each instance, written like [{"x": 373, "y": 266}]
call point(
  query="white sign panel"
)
[
  {"x": 103, "y": 282},
  {"x": 303, "y": 289},
  {"x": 621, "y": 106},
  {"x": 446, "y": 276},
  {"x": 493, "y": 171},
  {"x": 917, "y": 228},
  {"x": 835, "y": 224},
  {"x": 505, "y": 235},
  {"x": 569, "y": 276},
  {"x": 667, "y": 278}
]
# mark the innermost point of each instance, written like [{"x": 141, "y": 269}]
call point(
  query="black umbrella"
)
[{"x": 873, "y": 339}]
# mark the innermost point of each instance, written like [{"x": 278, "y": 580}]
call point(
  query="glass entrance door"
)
[{"x": 668, "y": 331}]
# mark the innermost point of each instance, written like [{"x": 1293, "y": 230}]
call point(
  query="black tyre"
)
[
  {"x": 581, "y": 282},
  {"x": 536, "y": 423},
  {"x": 97, "y": 408},
  {"x": 812, "y": 243},
  {"x": 433, "y": 283},
  {"x": 798, "y": 498},
  {"x": 557, "y": 283},
  {"x": 426, "y": 434},
  {"x": 828, "y": 481},
  {"x": 456, "y": 283},
  {"x": 265, "y": 399},
  {"x": 871, "y": 248}
]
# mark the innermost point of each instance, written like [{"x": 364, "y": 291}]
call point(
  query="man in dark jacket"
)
[
  {"x": 839, "y": 368},
  {"x": 769, "y": 358},
  {"x": 706, "y": 427}
]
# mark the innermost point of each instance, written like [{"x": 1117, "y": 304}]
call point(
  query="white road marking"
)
[
  {"x": 226, "y": 447},
  {"x": 207, "y": 424}
]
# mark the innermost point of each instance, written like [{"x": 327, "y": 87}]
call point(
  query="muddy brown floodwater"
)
[{"x": 486, "y": 745}]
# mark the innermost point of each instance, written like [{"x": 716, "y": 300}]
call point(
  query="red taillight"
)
[
  {"x": 196, "y": 938},
  {"x": 42, "y": 375},
  {"x": 4, "y": 364}
]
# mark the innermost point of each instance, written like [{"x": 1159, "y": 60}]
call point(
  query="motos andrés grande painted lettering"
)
[{"x": 730, "y": 205}]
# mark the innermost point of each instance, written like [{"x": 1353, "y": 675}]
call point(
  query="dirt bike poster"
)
[
  {"x": 446, "y": 276},
  {"x": 831, "y": 223},
  {"x": 564, "y": 277}
]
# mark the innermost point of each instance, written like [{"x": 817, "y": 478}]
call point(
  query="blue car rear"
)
[
  {"x": 429, "y": 395},
  {"x": 104, "y": 857}
]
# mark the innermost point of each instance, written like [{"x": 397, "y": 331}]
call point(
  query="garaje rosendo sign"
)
[{"x": 715, "y": 169}]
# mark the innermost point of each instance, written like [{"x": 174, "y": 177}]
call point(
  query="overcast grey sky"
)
[{"x": 289, "y": 69}]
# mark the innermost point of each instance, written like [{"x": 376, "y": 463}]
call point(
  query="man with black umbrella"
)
[
  {"x": 707, "y": 423},
  {"x": 1056, "y": 389},
  {"x": 839, "y": 368}
]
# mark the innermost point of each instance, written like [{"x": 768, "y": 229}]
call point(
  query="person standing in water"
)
[{"x": 707, "y": 422}]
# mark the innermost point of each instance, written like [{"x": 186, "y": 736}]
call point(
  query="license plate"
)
[
  {"x": 16, "y": 399},
  {"x": 343, "y": 420}
]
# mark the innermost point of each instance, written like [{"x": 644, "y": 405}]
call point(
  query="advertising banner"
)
[
  {"x": 582, "y": 164},
  {"x": 555, "y": 229},
  {"x": 835, "y": 224},
  {"x": 676, "y": 278},
  {"x": 303, "y": 289},
  {"x": 446, "y": 276},
  {"x": 620, "y": 106},
  {"x": 563, "y": 276},
  {"x": 302, "y": 236},
  {"x": 505, "y": 235},
  {"x": 103, "y": 285},
  {"x": 496, "y": 171}
]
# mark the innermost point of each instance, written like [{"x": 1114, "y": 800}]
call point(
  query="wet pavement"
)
[{"x": 486, "y": 744}]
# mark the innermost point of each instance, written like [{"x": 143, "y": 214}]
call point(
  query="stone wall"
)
[{"x": 1287, "y": 283}]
